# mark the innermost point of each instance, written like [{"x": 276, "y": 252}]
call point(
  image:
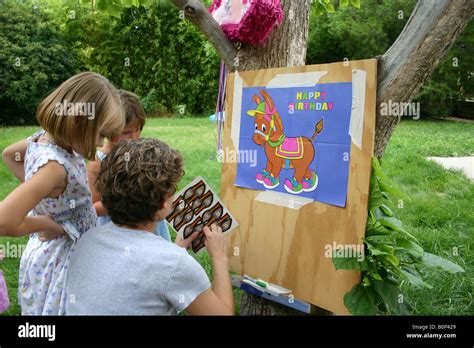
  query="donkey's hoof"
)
[
  {"x": 293, "y": 186},
  {"x": 261, "y": 176},
  {"x": 270, "y": 182},
  {"x": 310, "y": 184}
]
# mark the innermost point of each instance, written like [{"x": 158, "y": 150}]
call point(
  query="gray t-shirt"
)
[{"x": 119, "y": 271}]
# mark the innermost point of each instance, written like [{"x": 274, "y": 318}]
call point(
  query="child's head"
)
[
  {"x": 80, "y": 112},
  {"x": 134, "y": 118},
  {"x": 138, "y": 179}
]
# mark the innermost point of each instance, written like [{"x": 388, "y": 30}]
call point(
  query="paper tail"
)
[{"x": 317, "y": 129}]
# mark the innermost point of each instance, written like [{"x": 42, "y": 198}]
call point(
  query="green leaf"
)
[
  {"x": 350, "y": 263},
  {"x": 355, "y": 3},
  {"x": 115, "y": 10},
  {"x": 378, "y": 213},
  {"x": 390, "y": 222},
  {"x": 361, "y": 300},
  {"x": 385, "y": 184},
  {"x": 394, "y": 224},
  {"x": 377, "y": 168},
  {"x": 409, "y": 235},
  {"x": 410, "y": 246},
  {"x": 375, "y": 198},
  {"x": 375, "y": 275},
  {"x": 386, "y": 210},
  {"x": 102, "y": 5},
  {"x": 415, "y": 280},
  {"x": 330, "y": 8},
  {"x": 391, "y": 296},
  {"x": 378, "y": 230},
  {"x": 392, "y": 259},
  {"x": 344, "y": 3},
  {"x": 376, "y": 251},
  {"x": 432, "y": 260}
]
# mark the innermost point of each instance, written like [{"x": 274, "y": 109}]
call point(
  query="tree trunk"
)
[{"x": 285, "y": 47}]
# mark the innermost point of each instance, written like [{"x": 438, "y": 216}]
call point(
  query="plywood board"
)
[{"x": 286, "y": 245}]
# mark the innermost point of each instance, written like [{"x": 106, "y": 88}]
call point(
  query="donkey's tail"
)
[{"x": 317, "y": 128}]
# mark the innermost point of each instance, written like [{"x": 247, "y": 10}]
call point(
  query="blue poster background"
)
[{"x": 332, "y": 145}]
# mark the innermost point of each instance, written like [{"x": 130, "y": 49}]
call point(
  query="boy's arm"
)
[
  {"x": 14, "y": 158},
  {"x": 208, "y": 303},
  {"x": 219, "y": 300},
  {"x": 93, "y": 170},
  {"x": 15, "y": 207},
  {"x": 222, "y": 285}
]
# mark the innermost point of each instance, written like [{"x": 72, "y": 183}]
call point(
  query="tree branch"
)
[
  {"x": 428, "y": 35},
  {"x": 196, "y": 12}
]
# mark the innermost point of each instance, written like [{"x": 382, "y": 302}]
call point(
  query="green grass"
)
[{"x": 439, "y": 214}]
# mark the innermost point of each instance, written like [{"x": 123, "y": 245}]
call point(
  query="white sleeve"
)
[{"x": 187, "y": 282}]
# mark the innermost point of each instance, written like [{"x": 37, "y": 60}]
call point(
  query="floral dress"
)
[{"x": 43, "y": 265}]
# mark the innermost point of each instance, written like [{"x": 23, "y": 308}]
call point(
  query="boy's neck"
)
[{"x": 149, "y": 227}]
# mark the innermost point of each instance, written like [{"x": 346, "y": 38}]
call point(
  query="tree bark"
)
[
  {"x": 429, "y": 33},
  {"x": 287, "y": 43}
]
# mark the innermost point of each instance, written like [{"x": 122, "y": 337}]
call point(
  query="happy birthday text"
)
[{"x": 310, "y": 101}]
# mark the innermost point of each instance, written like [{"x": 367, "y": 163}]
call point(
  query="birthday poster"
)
[{"x": 298, "y": 138}]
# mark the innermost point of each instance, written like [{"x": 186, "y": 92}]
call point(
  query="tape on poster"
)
[
  {"x": 236, "y": 110},
  {"x": 284, "y": 200},
  {"x": 356, "y": 125},
  {"x": 307, "y": 79}
]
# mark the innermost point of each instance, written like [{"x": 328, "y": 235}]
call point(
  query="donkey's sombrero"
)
[{"x": 260, "y": 110}]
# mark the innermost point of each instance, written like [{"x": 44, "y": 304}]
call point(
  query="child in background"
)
[
  {"x": 4, "y": 300},
  {"x": 134, "y": 123},
  {"x": 54, "y": 204}
]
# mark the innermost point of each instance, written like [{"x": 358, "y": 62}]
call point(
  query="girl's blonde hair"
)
[{"x": 63, "y": 112}]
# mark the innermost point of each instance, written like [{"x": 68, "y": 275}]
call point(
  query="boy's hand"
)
[
  {"x": 186, "y": 243},
  {"x": 216, "y": 242}
]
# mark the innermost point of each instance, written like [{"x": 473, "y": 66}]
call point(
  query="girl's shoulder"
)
[
  {"x": 35, "y": 136},
  {"x": 39, "y": 154}
]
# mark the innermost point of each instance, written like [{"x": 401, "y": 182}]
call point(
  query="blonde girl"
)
[{"x": 53, "y": 205}]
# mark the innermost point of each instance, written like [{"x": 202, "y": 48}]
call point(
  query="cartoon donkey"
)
[{"x": 282, "y": 151}]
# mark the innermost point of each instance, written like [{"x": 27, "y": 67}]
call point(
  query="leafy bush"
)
[
  {"x": 34, "y": 59},
  {"x": 151, "y": 51},
  {"x": 356, "y": 33},
  {"x": 452, "y": 80},
  {"x": 152, "y": 104},
  {"x": 392, "y": 256},
  {"x": 368, "y": 31}
]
